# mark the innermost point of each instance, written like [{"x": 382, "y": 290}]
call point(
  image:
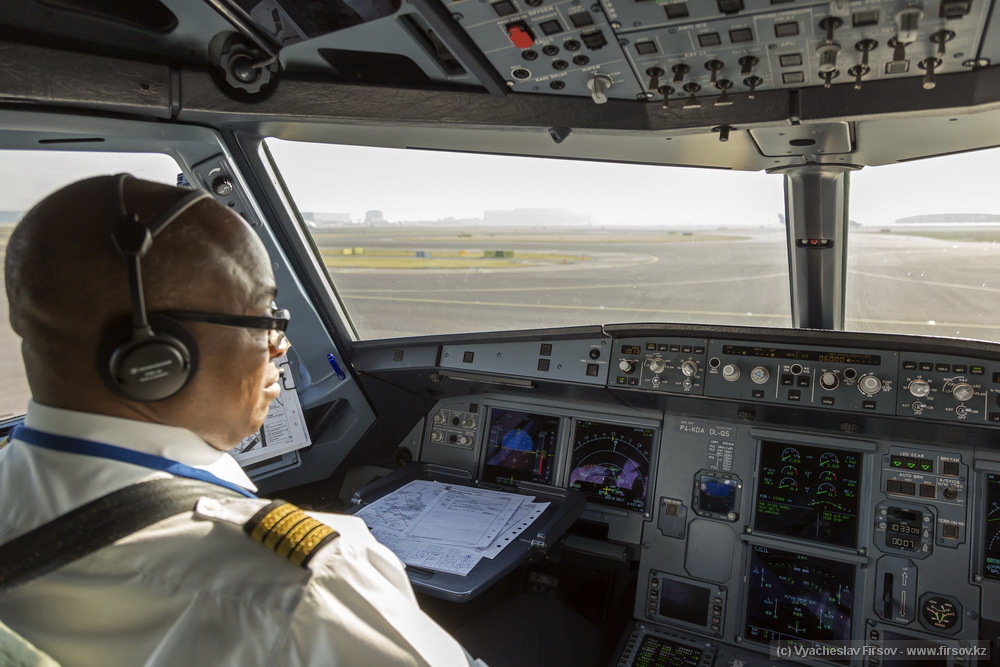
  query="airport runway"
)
[{"x": 895, "y": 283}]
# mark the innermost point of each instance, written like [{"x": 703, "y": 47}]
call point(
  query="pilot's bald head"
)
[{"x": 66, "y": 281}]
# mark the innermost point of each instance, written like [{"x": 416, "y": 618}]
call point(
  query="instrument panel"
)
[{"x": 750, "y": 534}]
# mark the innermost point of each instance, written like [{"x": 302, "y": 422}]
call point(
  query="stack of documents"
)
[{"x": 448, "y": 528}]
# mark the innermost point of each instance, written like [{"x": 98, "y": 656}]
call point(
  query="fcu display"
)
[
  {"x": 521, "y": 447},
  {"x": 797, "y": 598},
  {"x": 808, "y": 493},
  {"x": 611, "y": 463}
]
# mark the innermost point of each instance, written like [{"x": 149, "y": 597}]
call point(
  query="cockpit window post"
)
[{"x": 816, "y": 222}]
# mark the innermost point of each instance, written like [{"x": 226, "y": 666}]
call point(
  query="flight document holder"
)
[{"x": 540, "y": 535}]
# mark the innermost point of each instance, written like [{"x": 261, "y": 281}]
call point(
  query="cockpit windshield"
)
[
  {"x": 431, "y": 242},
  {"x": 925, "y": 247}
]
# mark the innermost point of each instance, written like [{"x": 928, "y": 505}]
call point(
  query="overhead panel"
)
[{"x": 680, "y": 52}]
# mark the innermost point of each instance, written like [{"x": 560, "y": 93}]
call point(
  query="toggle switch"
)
[
  {"x": 723, "y": 99},
  {"x": 654, "y": 73},
  {"x": 747, "y": 63},
  {"x": 714, "y": 66},
  {"x": 666, "y": 91},
  {"x": 828, "y": 53},
  {"x": 830, "y": 23},
  {"x": 857, "y": 72},
  {"x": 692, "y": 102},
  {"x": 679, "y": 70},
  {"x": 907, "y": 24},
  {"x": 941, "y": 37},
  {"x": 752, "y": 82},
  {"x": 929, "y": 65}
]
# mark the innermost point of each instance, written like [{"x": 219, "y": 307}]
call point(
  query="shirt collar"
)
[{"x": 172, "y": 442}]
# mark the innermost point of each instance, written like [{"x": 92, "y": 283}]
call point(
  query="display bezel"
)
[
  {"x": 651, "y": 436},
  {"x": 848, "y": 574},
  {"x": 491, "y": 473},
  {"x": 789, "y": 524}
]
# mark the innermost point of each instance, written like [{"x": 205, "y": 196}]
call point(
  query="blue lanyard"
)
[{"x": 89, "y": 448}]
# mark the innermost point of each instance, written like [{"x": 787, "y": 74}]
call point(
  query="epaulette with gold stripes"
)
[
  {"x": 4, "y": 442},
  {"x": 289, "y": 532}
]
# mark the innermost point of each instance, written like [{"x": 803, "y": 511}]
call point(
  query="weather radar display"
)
[
  {"x": 611, "y": 463},
  {"x": 521, "y": 447}
]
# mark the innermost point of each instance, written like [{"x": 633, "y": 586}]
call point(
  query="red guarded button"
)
[{"x": 520, "y": 36}]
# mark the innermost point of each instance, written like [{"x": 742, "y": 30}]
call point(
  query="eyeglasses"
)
[{"x": 275, "y": 325}]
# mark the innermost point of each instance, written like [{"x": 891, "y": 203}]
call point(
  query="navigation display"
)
[
  {"x": 799, "y": 599},
  {"x": 809, "y": 493},
  {"x": 991, "y": 529},
  {"x": 521, "y": 447},
  {"x": 611, "y": 463}
]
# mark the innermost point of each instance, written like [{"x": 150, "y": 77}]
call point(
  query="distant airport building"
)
[
  {"x": 535, "y": 216},
  {"x": 374, "y": 216},
  {"x": 950, "y": 218}
]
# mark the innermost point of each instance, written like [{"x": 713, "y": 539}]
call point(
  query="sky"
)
[{"x": 429, "y": 185}]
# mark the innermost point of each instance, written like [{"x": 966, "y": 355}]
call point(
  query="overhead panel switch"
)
[{"x": 520, "y": 35}]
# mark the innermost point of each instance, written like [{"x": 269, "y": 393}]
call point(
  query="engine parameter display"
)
[
  {"x": 521, "y": 447},
  {"x": 808, "y": 493},
  {"x": 798, "y": 599},
  {"x": 611, "y": 463}
]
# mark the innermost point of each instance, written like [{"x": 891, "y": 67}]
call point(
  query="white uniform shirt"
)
[{"x": 194, "y": 589}]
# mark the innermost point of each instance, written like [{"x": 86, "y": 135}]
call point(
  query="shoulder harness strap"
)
[
  {"x": 289, "y": 532},
  {"x": 97, "y": 524}
]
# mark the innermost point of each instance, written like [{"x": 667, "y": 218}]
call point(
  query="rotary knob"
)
[
  {"x": 963, "y": 391},
  {"x": 760, "y": 375},
  {"x": 869, "y": 385},
  {"x": 439, "y": 418},
  {"x": 437, "y": 436},
  {"x": 627, "y": 365},
  {"x": 919, "y": 388},
  {"x": 464, "y": 440},
  {"x": 829, "y": 380},
  {"x": 689, "y": 368},
  {"x": 731, "y": 372},
  {"x": 657, "y": 365}
]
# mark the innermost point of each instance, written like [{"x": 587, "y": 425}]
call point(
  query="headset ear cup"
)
[{"x": 148, "y": 369}]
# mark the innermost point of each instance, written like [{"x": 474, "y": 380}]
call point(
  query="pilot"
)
[{"x": 194, "y": 588}]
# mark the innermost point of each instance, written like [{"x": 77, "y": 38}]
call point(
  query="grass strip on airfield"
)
[{"x": 974, "y": 235}]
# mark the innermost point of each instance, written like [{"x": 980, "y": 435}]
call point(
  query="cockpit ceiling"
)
[{"x": 739, "y": 84}]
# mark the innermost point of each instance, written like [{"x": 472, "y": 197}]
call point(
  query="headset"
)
[{"x": 161, "y": 356}]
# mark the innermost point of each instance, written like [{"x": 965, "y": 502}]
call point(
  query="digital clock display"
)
[
  {"x": 631, "y": 349},
  {"x": 905, "y": 543},
  {"x": 904, "y": 529}
]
